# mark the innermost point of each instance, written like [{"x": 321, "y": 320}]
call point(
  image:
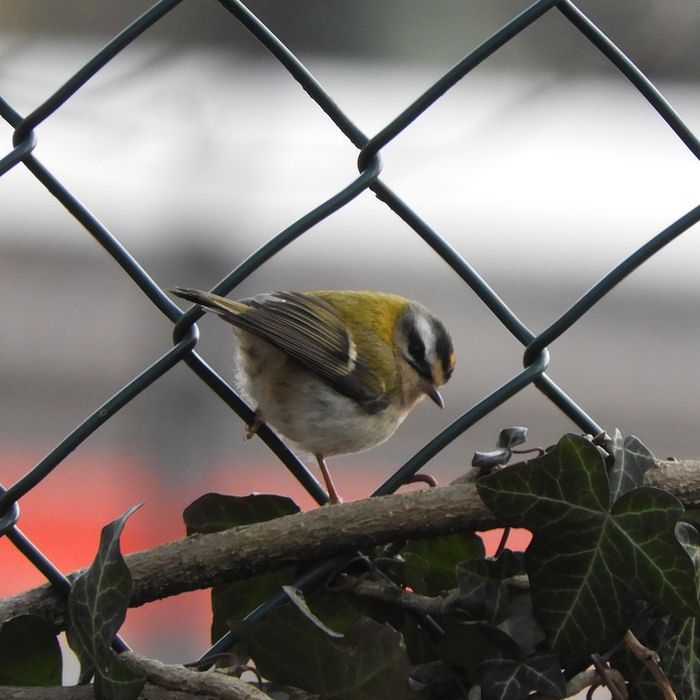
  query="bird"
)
[{"x": 333, "y": 371}]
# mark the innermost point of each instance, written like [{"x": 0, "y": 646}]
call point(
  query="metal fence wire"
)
[{"x": 185, "y": 333}]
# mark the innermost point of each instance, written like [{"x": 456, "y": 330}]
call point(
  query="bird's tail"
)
[{"x": 226, "y": 308}]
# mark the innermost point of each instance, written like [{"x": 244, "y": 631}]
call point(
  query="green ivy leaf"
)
[
  {"x": 514, "y": 679},
  {"x": 215, "y": 512},
  {"x": 492, "y": 660},
  {"x": 430, "y": 563},
  {"x": 590, "y": 559},
  {"x": 97, "y": 607},
  {"x": 116, "y": 682},
  {"x": 466, "y": 645},
  {"x": 235, "y": 599},
  {"x": 631, "y": 461},
  {"x": 520, "y": 623},
  {"x": 340, "y": 610},
  {"x": 675, "y": 638},
  {"x": 484, "y": 591},
  {"x": 290, "y": 647},
  {"x": 29, "y": 652}
]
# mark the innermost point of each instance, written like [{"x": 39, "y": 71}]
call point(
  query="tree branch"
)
[
  {"x": 87, "y": 692},
  {"x": 164, "y": 682},
  {"x": 201, "y": 561},
  {"x": 387, "y": 591},
  {"x": 651, "y": 660},
  {"x": 680, "y": 477},
  {"x": 176, "y": 677}
]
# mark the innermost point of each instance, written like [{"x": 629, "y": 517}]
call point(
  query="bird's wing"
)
[{"x": 308, "y": 329}]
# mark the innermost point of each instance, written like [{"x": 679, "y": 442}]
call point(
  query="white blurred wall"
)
[{"x": 542, "y": 181}]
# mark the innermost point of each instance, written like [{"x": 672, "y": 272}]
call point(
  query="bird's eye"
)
[{"x": 416, "y": 347}]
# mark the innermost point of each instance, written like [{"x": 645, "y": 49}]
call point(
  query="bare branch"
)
[
  {"x": 681, "y": 477},
  {"x": 387, "y": 591},
  {"x": 175, "y": 677},
  {"x": 651, "y": 660},
  {"x": 201, "y": 561},
  {"x": 87, "y": 692},
  {"x": 165, "y": 682}
]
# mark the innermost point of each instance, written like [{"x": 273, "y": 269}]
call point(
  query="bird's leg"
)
[
  {"x": 333, "y": 496},
  {"x": 423, "y": 478},
  {"x": 257, "y": 423}
]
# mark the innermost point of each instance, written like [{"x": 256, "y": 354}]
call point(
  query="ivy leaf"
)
[
  {"x": 675, "y": 638},
  {"x": 484, "y": 592},
  {"x": 296, "y": 598},
  {"x": 466, "y": 645},
  {"x": 214, "y": 512},
  {"x": 520, "y": 623},
  {"x": 631, "y": 460},
  {"x": 97, "y": 607},
  {"x": 493, "y": 661},
  {"x": 116, "y": 682},
  {"x": 514, "y": 679},
  {"x": 590, "y": 559},
  {"x": 29, "y": 652},
  {"x": 430, "y": 564},
  {"x": 508, "y": 438},
  {"x": 289, "y": 647},
  {"x": 235, "y": 599}
]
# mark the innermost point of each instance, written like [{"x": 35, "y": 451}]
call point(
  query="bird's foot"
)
[
  {"x": 423, "y": 479},
  {"x": 253, "y": 428}
]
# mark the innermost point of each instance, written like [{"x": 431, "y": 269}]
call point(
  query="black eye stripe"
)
[{"x": 416, "y": 346}]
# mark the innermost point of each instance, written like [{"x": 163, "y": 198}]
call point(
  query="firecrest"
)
[{"x": 334, "y": 371}]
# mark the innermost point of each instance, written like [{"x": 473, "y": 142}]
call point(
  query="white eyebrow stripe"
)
[{"x": 425, "y": 331}]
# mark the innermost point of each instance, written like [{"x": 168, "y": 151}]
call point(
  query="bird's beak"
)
[{"x": 434, "y": 394}]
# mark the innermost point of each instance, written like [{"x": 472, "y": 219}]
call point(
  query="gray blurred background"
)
[{"x": 544, "y": 168}]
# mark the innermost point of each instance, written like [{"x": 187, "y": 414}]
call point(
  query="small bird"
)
[{"x": 334, "y": 372}]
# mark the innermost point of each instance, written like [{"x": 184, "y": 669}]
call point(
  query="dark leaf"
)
[
  {"x": 420, "y": 645},
  {"x": 341, "y": 609},
  {"x": 493, "y": 458},
  {"x": 512, "y": 437},
  {"x": 588, "y": 560},
  {"x": 508, "y": 438},
  {"x": 675, "y": 638},
  {"x": 466, "y": 645},
  {"x": 29, "y": 652},
  {"x": 631, "y": 460},
  {"x": 514, "y": 679},
  {"x": 366, "y": 663},
  {"x": 215, "y": 512},
  {"x": 296, "y": 598},
  {"x": 97, "y": 606},
  {"x": 484, "y": 592},
  {"x": 235, "y": 599},
  {"x": 430, "y": 563},
  {"x": 117, "y": 682},
  {"x": 520, "y": 623}
]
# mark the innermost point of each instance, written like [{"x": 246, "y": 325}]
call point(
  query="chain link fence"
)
[{"x": 369, "y": 149}]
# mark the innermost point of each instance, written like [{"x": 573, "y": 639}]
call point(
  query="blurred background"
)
[{"x": 543, "y": 168}]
